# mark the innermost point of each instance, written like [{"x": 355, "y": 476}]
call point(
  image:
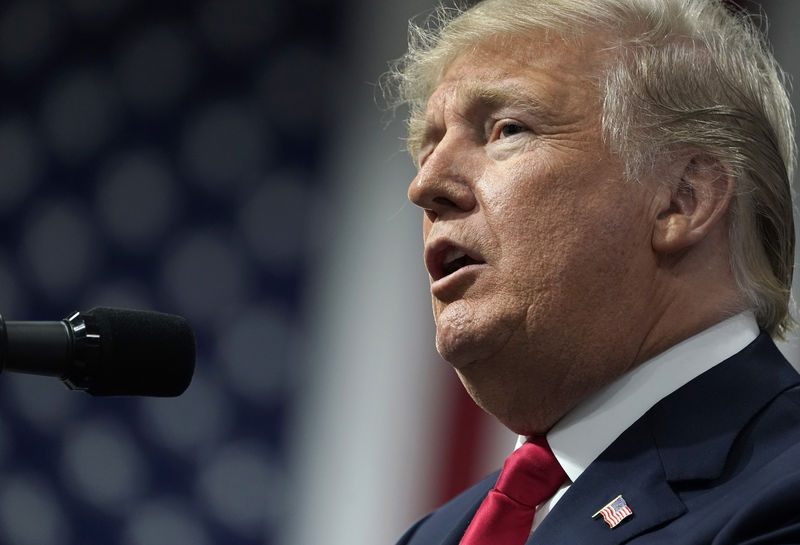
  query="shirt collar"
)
[{"x": 587, "y": 430}]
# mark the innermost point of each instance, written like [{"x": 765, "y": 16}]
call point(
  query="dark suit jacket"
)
[{"x": 716, "y": 462}]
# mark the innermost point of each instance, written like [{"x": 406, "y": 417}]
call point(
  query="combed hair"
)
[{"x": 681, "y": 75}]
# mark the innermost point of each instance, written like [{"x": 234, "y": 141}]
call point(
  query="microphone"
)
[{"x": 105, "y": 351}]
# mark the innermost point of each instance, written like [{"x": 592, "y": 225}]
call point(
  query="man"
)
[{"x": 608, "y": 231}]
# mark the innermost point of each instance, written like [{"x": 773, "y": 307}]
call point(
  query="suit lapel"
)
[
  {"x": 624, "y": 468},
  {"x": 686, "y": 436},
  {"x": 446, "y": 526},
  {"x": 457, "y": 531}
]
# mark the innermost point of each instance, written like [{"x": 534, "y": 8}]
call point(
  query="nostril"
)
[
  {"x": 430, "y": 214},
  {"x": 444, "y": 201}
]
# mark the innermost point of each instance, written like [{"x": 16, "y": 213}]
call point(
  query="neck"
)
[{"x": 697, "y": 289}]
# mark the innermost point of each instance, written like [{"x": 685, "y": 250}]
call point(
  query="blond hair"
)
[{"x": 684, "y": 74}]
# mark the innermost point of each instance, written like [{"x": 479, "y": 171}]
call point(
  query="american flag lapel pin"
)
[{"x": 615, "y": 511}]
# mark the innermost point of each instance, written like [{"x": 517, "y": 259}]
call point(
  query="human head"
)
[{"x": 683, "y": 74}]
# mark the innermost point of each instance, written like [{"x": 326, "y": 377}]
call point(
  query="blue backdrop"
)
[{"x": 160, "y": 155}]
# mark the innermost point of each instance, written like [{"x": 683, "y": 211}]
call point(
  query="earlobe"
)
[{"x": 693, "y": 206}]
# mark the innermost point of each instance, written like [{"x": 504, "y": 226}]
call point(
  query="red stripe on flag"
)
[{"x": 464, "y": 433}]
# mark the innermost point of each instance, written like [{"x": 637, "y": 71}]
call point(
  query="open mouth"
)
[
  {"x": 455, "y": 260},
  {"x": 443, "y": 259}
]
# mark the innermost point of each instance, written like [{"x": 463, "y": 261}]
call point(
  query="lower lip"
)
[{"x": 448, "y": 282}]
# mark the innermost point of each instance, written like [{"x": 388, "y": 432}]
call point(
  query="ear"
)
[{"x": 694, "y": 203}]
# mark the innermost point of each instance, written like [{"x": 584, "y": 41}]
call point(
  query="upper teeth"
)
[{"x": 453, "y": 254}]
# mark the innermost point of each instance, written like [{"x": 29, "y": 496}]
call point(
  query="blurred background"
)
[{"x": 229, "y": 161}]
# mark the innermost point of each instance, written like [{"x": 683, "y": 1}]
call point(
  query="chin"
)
[
  {"x": 463, "y": 348},
  {"x": 468, "y": 333}
]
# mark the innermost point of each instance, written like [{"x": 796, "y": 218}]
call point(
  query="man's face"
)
[{"x": 539, "y": 253}]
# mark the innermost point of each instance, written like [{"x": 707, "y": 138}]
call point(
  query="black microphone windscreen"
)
[{"x": 143, "y": 353}]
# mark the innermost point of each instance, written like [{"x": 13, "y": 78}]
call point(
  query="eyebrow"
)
[
  {"x": 471, "y": 95},
  {"x": 494, "y": 97}
]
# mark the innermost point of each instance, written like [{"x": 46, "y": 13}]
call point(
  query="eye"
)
[
  {"x": 510, "y": 129},
  {"x": 507, "y": 128}
]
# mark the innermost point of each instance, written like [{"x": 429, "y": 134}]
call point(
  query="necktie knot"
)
[{"x": 529, "y": 476}]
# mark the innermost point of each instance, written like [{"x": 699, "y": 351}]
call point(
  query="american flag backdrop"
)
[
  {"x": 224, "y": 160},
  {"x": 161, "y": 155}
]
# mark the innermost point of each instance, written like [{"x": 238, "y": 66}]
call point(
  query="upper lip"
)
[{"x": 442, "y": 255}]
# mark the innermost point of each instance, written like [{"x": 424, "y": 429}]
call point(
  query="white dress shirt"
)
[{"x": 586, "y": 431}]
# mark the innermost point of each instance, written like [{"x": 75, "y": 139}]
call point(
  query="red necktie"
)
[{"x": 530, "y": 476}]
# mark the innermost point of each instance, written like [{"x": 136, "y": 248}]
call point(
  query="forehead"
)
[{"x": 532, "y": 71}]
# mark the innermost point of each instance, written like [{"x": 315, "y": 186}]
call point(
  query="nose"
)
[{"x": 443, "y": 185}]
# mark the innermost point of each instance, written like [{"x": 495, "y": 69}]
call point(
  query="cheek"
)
[
  {"x": 563, "y": 242},
  {"x": 536, "y": 232},
  {"x": 530, "y": 195},
  {"x": 506, "y": 188}
]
